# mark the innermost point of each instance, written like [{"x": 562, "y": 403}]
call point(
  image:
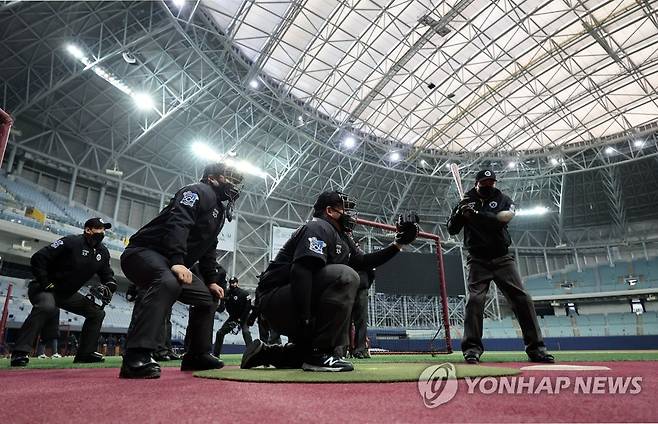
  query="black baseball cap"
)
[
  {"x": 97, "y": 223},
  {"x": 220, "y": 168},
  {"x": 485, "y": 174},
  {"x": 332, "y": 198}
]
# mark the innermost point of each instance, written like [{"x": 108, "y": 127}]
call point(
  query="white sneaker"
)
[
  {"x": 43, "y": 356},
  {"x": 56, "y": 356}
]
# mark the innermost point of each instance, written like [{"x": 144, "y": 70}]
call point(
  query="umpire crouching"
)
[
  {"x": 158, "y": 259},
  {"x": 308, "y": 290},
  {"x": 238, "y": 305},
  {"x": 60, "y": 270},
  {"x": 484, "y": 214}
]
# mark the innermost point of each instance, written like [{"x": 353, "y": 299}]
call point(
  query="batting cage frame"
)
[{"x": 443, "y": 291}]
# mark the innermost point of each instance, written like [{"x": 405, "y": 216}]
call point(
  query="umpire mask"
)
[
  {"x": 347, "y": 219},
  {"x": 229, "y": 188}
]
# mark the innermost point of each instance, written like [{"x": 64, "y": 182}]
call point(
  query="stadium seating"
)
[{"x": 599, "y": 279}]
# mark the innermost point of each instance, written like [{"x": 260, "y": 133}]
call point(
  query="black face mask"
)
[
  {"x": 95, "y": 239},
  {"x": 346, "y": 221},
  {"x": 226, "y": 191},
  {"x": 486, "y": 191}
]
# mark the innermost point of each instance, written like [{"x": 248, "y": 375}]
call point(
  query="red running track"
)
[{"x": 99, "y": 396}]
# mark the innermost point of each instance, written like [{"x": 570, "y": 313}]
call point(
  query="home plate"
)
[{"x": 565, "y": 368}]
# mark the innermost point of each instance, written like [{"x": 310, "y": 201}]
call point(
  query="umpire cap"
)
[
  {"x": 485, "y": 174},
  {"x": 332, "y": 198},
  {"x": 97, "y": 223}
]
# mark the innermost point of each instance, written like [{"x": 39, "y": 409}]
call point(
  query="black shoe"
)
[
  {"x": 360, "y": 355},
  {"x": 472, "y": 358},
  {"x": 88, "y": 358},
  {"x": 200, "y": 362},
  {"x": 173, "y": 356},
  {"x": 162, "y": 356},
  {"x": 541, "y": 357},
  {"x": 139, "y": 365},
  {"x": 326, "y": 363},
  {"x": 253, "y": 355},
  {"x": 19, "y": 359}
]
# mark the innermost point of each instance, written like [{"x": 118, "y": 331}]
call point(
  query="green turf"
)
[
  {"x": 363, "y": 373},
  {"x": 560, "y": 356}
]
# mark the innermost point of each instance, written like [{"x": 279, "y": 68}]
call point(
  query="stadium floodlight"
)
[
  {"x": 203, "y": 151},
  {"x": 179, "y": 3},
  {"x": 535, "y": 211},
  {"x": 554, "y": 161},
  {"x": 253, "y": 84},
  {"x": 610, "y": 151},
  {"x": 349, "y": 142},
  {"x": 143, "y": 101},
  {"x": 395, "y": 156},
  {"x": 638, "y": 143},
  {"x": 511, "y": 165}
]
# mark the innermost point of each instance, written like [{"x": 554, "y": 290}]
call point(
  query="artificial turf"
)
[
  {"x": 560, "y": 356},
  {"x": 363, "y": 373}
]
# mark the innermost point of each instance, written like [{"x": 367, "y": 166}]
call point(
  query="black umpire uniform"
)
[
  {"x": 360, "y": 314},
  {"x": 158, "y": 259},
  {"x": 238, "y": 305},
  {"x": 484, "y": 214},
  {"x": 60, "y": 270},
  {"x": 308, "y": 290}
]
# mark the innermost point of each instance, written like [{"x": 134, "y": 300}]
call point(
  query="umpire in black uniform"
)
[
  {"x": 60, "y": 270},
  {"x": 360, "y": 314},
  {"x": 158, "y": 259},
  {"x": 484, "y": 214},
  {"x": 308, "y": 290},
  {"x": 238, "y": 305}
]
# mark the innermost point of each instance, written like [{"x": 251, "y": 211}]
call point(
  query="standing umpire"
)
[
  {"x": 238, "y": 305},
  {"x": 158, "y": 259},
  {"x": 308, "y": 290},
  {"x": 60, "y": 270},
  {"x": 484, "y": 214}
]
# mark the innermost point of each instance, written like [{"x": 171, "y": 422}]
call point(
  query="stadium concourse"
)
[{"x": 523, "y": 133}]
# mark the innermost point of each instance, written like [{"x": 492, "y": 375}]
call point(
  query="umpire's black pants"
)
[
  {"x": 164, "y": 337},
  {"x": 503, "y": 272},
  {"x": 227, "y": 327},
  {"x": 45, "y": 315},
  {"x": 334, "y": 289},
  {"x": 360, "y": 318},
  {"x": 151, "y": 273},
  {"x": 266, "y": 333}
]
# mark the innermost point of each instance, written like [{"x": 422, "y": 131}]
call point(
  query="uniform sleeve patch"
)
[
  {"x": 189, "y": 198},
  {"x": 315, "y": 245},
  {"x": 57, "y": 243}
]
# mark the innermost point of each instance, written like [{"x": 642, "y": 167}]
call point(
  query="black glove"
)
[
  {"x": 102, "y": 293},
  {"x": 407, "y": 228},
  {"x": 467, "y": 208},
  {"x": 132, "y": 293}
]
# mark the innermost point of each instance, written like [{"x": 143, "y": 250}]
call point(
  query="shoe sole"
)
[
  {"x": 151, "y": 376},
  {"x": 249, "y": 354},
  {"x": 316, "y": 368},
  {"x": 188, "y": 368}
]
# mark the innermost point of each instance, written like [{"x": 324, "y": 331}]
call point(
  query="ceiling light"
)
[
  {"x": 143, "y": 101},
  {"x": 423, "y": 163},
  {"x": 511, "y": 165},
  {"x": 207, "y": 153},
  {"x": 554, "y": 161},
  {"x": 253, "y": 83},
  {"x": 610, "y": 150},
  {"x": 179, "y": 3},
  {"x": 75, "y": 51},
  {"x": 349, "y": 142},
  {"x": 394, "y": 156},
  {"x": 535, "y": 211},
  {"x": 638, "y": 143}
]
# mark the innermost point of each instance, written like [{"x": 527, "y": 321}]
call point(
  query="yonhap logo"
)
[{"x": 438, "y": 384}]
